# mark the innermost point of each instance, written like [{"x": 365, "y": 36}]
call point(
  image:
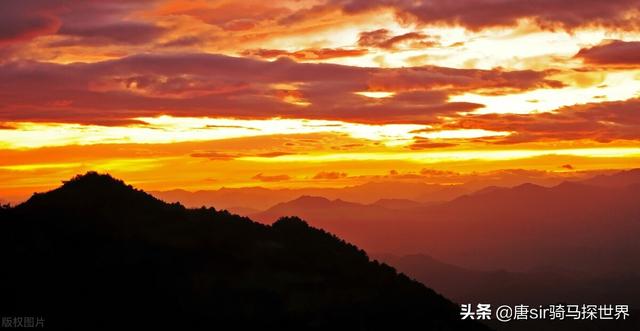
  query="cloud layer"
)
[
  {"x": 214, "y": 85},
  {"x": 374, "y": 62}
]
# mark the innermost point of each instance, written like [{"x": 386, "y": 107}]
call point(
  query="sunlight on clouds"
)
[
  {"x": 167, "y": 129},
  {"x": 616, "y": 86},
  {"x": 376, "y": 95},
  {"x": 452, "y": 156},
  {"x": 183, "y": 64},
  {"x": 457, "y": 47},
  {"x": 463, "y": 134},
  {"x": 495, "y": 48},
  {"x": 40, "y": 166},
  {"x": 143, "y": 164}
]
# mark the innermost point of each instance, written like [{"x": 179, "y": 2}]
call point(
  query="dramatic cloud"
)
[
  {"x": 174, "y": 92},
  {"x": 602, "y": 122},
  {"x": 91, "y": 21},
  {"x": 125, "y": 32},
  {"x": 489, "y": 81},
  {"x": 27, "y": 19},
  {"x": 306, "y": 54},
  {"x": 382, "y": 38},
  {"x": 216, "y": 85},
  {"x": 228, "y": 15},
  {"x": 479, "y": 14},
  {"x": 614, "y": 52}
]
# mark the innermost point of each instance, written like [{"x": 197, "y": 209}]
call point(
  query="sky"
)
[{"x": 325, "y": 93}]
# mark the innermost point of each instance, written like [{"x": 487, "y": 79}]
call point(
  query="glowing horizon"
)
[{"x": 182, "y": 94}]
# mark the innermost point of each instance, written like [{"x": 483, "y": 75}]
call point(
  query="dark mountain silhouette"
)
[
  {"x": 242, "y": 211},
  {"x": 98, "y": 254},
  {"x": 537, "y": 286},
  {"x": 533, "y": 288},
  {"x": 378, "y": 228},
  {"x": 257, "y": 198}
]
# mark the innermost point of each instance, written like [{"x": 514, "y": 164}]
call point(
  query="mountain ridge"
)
[
  {"x": 96, "y": 240},
  {"x": 572, "y": 219}
]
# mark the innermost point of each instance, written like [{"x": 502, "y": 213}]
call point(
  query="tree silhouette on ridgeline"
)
[{"x": 98, "y": 254}]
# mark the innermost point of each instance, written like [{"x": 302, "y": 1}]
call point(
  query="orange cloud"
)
[
  {"x": 274, "y": 178},
  {"x": 485, "y": 81},
  {"x": 228, "y": 15},
  {"x": 25, "y": 20},
  {"x": 216, "y": 156},
  {"x": 330, "y": 175},
  {"x": 382, "y": 38},
  {"x": 306, "y": 54},
  {"x": 423, "y": 143},
  {"x": 602, "y": 122},
  {"x": 220, "y": 156},
  {"x": 615, "y": 52},
  {"x": 221, "y": 86},
  {"x": 82, "y": 22},
  {"x": 118, "y": 66},
  {"x": 480, "y": 14}
]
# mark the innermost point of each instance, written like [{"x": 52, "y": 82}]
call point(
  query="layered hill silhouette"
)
[
  {"x": 398, "y": 204},
  {"x": 248, "y": 199},
  {"x": 619, "y": 179},
  {"x": 98, "y": 254},
  {"x": 577, "y": 226},
  {"x": 320, "y": 208},
  {"x": 528, "y": 244},
  {"x": 535, "y": 287}
]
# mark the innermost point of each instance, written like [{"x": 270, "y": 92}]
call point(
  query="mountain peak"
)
[
  {"x": 93, "y": 190},
  {"x": 93, "y": 178},
  {"x": 290, "y": 222},
  {"x": 568, "y": 185},
  {"x": 96, "y": 240},
  {"x": 309, "y": 199},
  {"x": 488, "y": 189},
  {"x": 528, "y": 187}
]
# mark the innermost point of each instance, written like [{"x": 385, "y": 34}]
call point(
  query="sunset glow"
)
[{"x": 209, "y": 94}]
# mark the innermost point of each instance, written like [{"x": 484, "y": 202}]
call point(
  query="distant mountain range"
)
[
  {"x": 586, "y": 226},
  {"x": 619, "y": 179},
  {"x": 398, "y": 204},
  {"x": 259, "y": 198},
  {"x": 98, "y": 254},
  {"x": 248, "y": 200}
]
